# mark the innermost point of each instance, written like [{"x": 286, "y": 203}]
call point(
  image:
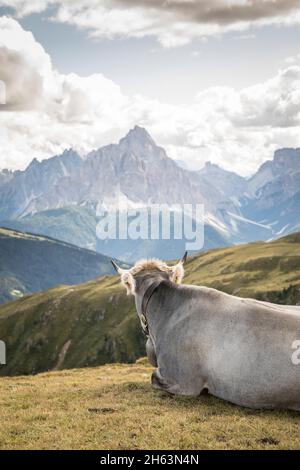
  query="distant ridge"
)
[{"x": 30, "y": 263}]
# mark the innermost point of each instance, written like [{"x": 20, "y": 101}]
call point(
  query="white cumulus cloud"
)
[
  {"x": 172, "y": 22},
  {"x": 47, "y": 111}
]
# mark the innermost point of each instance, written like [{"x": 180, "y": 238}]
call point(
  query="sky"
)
[{"x": 214, "y": 80}]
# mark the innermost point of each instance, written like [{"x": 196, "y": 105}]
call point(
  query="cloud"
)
[
  {"x": 25, "y": 7},
  {"x": 24, "y": 66},
  {"x": 275, "y": 103},
  {"x": 217, "y": 11},
  {"x": 172, "y": 22},
  {"x": 25, "y": 91},
  {"x": 47, "y": 112},
  {"x": 293, "y": 59}
]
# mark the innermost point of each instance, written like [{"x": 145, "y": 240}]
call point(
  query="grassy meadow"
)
[{"x": 115, "y": 407}]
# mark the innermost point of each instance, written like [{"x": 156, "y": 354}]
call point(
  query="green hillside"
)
[
  {"x": 267, "y": 271},
  {"x": 96, "y": 323},
  {"x": 31, "y": 263},
  {"x": 71, "y": 224}
]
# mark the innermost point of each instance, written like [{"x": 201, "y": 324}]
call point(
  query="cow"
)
[{"x": 201, "y": 339}]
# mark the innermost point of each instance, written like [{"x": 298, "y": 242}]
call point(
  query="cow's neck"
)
[
  {"x": 143, "y": 283},
  {"x": 146, "y": 287}
]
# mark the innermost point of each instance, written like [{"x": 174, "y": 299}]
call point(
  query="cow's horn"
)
[
  {"x": 117, "y": 268},
  {"x": 183, "y": 259}
]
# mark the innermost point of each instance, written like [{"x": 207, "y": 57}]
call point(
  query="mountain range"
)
[{"x": 60, "y": 196}]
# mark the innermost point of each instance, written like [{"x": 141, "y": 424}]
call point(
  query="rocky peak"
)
[
  {"x": 214, "y": 169},
  {"x": 287, "y": 159},
  {"x": 60, "y": 164},
  {"x": 5, "y": 176},
  {"x": 209, "y": 165},
  {"x": 70, "y": 153},
  {"x": 34, "y": 162},
  {"x": 138, "y": 134},
  {"x": 139, "y": 142}
]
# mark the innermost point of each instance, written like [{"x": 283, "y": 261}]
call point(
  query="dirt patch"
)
[
  {"x": 268, "y": 440},
  {"x": 102, "y": 410},
  {"x": 62, "y": 355}
]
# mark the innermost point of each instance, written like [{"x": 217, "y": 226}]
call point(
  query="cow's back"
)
[{"x": 243, "y": 346}]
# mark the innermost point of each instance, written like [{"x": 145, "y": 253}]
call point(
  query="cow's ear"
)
[
  {"x": 128, "y": 282},
  {"x": 177, "y": 273}
]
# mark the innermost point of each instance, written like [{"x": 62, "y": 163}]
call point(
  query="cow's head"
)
[{"x": 151, "y": 267}]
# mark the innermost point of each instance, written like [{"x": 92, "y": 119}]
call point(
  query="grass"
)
[
  {"x": 115, "y": 407},
  {"x": 250, "y": 270},
  {"x": 91, "y": 324}
]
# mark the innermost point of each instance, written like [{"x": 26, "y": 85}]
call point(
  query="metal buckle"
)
[{"x": 144, "y": 322}]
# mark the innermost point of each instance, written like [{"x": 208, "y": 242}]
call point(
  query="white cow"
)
[{"x": 241, "y": 350}]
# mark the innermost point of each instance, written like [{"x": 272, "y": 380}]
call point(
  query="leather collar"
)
[{"x": 147, "y": 296}]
